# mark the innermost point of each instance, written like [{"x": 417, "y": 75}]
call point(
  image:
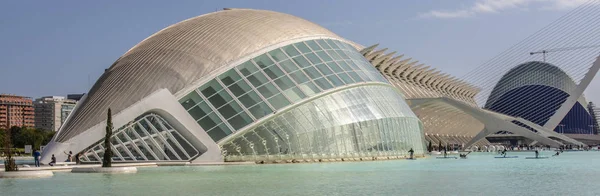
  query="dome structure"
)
[
  {"x": 241, "y": 84},
  {"x": 535, "y": 91}
]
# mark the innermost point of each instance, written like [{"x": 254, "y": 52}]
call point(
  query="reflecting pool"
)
[{"x": 571, "y": 173}]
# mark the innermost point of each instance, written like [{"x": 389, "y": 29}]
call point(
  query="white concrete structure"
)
[
  {"x": 241, "y": 85},
  {"x": 450, "y": 114}
]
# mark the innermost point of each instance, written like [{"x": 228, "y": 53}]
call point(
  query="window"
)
[
  {"x": 313, "y": 45},
  {"x": 288, "y": 66},
  {"x": 277, "y": 55},
  {"x": 250, "y": 99},
  {"x": 229, "y": 77},
  {"x": 323, "y": 44},
  {"x": 302, "y": 47},
  {"x": 247, "y": 68},
  {"x": 260, "y": 110},
  {"x": 279, "y": 101},
  {"x": 240, "y": 88},
  {"x": 190, "y": 100},
  {"x": 268, "y": 90},
  {"x": 263, "y": 61},
  {"x": 210, "y": 88},
  {"x": 313, "y": 58}
]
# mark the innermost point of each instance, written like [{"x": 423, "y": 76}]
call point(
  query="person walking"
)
[
  {"x": 36, "y": 158},
  {"x": 411, "y": 151}
]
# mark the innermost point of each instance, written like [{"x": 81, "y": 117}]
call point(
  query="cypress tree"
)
[{"x": 107, "y": 159}]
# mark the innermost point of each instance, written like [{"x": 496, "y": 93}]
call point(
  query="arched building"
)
[{"x": 240, "y": 85}]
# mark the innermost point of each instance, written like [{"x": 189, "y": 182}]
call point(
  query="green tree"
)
[
  {"x": 430, "y": 147},
  {"x": 107, "y": 159},
  {"x": 9, "y": 162}
]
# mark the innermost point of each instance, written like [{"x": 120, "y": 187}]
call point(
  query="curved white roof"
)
[{"x": 183, "y": 53}]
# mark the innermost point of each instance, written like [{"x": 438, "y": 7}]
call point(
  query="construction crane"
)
[{"x": 544, "y": 52}]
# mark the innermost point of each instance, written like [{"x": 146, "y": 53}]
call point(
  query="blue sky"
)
[{"x": 60, "y": 47}]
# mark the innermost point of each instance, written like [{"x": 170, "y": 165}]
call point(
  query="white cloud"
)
[{"x": 497, "y": 6}]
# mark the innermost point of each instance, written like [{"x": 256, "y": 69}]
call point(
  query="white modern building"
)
[
  {"x": 533, "y": 100},
  {"x": 239, "y": 85},
  {"x": 51, "y": 111}
]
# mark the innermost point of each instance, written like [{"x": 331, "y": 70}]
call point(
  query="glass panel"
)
[
  {"x": 313, "y": 45},
  {"x": 355, "y": 77},
  {"x": 288, "y": 66},
  {"x": 190, "y": 100},
  {"x": 313, "y": 58},
  {"x": 324, "y": 69},
  {"x": 240, "y": 88},
  {"x": 301, "y": 61},
  {"x": 229, "y": 77},
  {"x": 220, "y": 99},
  {"x": 284, "y": 83},
  {"x": 209, "y": 121},
  {"x": 330, "y": 42},
  {"x": 299, "y": 77},
  {"x": 324, "y": 56},
  {"x": 197, "y": 112},
  {"x": 277, "y": 55},
  {"x": 324, "y": 84},
  {"x": 344, "y": 65},
  {"x": 279, "y": 101},
  {"x": 250, "y": 99},
  {"x": 263, "y": 61},
  {"x": 210, "y": 88},
  {"x": 302, "y": 47},
  {"x": 273, "y": 72},
  {"x": 230, "y": 110},
  {"x": 343, "y": 54},
  {"x": 323, "y": 44},
  {"x": 309, "y": 88},
  {"x": 346, "y": 78},
  {"x": 219, "y": 132},
  {"x": 335, "y": 80},
  {"x": 334, "y": 55},
  {"x": 335, "y": 67},
  {"x": 291, "y": 51},
  {"x": 240, "y": 120},
  {"x": 247, "y": 68},
  {"x": 268, "y": 90},
  {"x": 257, "y": 79},
  {"x": 294, "y": 94},
  {"x": 312, "y": 72},
  {"x": 260, "y": 110}
]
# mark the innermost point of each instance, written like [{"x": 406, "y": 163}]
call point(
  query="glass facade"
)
[
  {"x": 147, "y": 138},
  {"x": 275, "y": 80},
  {"x": 365, "y": 121}
]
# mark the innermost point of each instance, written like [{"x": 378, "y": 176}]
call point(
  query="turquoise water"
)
[{"x": 572, "y": 173}]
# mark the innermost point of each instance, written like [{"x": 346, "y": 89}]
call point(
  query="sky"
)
[{"x": 60, "y": 47}]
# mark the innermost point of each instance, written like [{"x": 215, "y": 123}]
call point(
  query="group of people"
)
[{"x": 36, "y": 157}]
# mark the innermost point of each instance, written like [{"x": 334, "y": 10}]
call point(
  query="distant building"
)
[
  {"x": 16, "y": 111},
  {"x": 52, "y": 111},
  {"x": 75, "y": 97}
]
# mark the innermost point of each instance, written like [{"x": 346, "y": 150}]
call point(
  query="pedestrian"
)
[
  {"x": 36, "y": 158},
  {"x": 69, "y": 156},
  {"x": 53, "y": 161}
]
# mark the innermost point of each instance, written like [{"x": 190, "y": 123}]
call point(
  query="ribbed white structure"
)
[
  {"x": 181, "y": 54},
  {"x": 443, "y": 124}
]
